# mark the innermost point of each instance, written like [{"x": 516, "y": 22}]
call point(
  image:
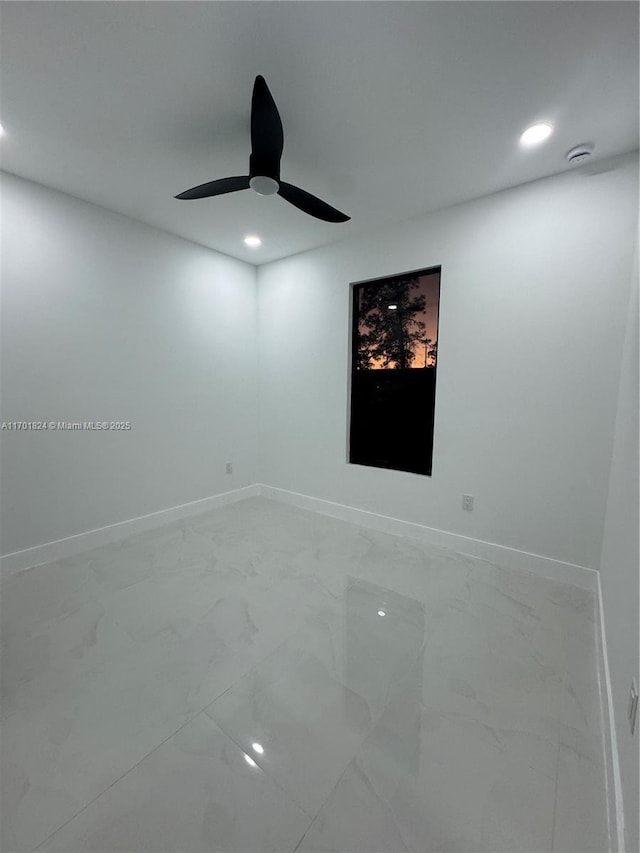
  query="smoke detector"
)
[{"x": 580, "y": 153}]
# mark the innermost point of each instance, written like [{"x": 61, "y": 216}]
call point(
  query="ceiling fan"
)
[{"x": 267, "y": 142}]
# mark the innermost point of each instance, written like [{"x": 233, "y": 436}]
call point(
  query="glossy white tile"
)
[
  {"x": 194, "y": 794},
  {"x": 580, "y": 824},
  {"x": 309, "y": 724},
  {"x": 401, "y": 695},
  {"x": 429, "y": 781}
]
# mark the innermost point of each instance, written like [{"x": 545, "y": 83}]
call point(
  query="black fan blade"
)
[
  {"x": 310, "y": 204},
  {"x": 267, "y": 137},
  {"x": 219, "y": 187}
]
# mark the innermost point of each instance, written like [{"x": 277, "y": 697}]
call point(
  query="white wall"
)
[
  {"x": 107, "y": 319},
  {"x": 534, "y": 296},
  {"x": 620, "y": 562}
]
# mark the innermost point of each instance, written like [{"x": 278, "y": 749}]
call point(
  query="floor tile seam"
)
[
  {"x": 377, "y": 708},
  {"x": 154, "y": 575},
  {"x": 386, "y": 804},
  {"x": 519, "y": 572},
  {"x": 115, "y": 781},
  {"x": 555, "y": 796},
  {"x": 374, "y": 722},
  {"x": 152, "y": 640},
  {"x": 523, "y": 622},
  {"x": 586, "y": 727},
  {"x": 333, "y": 788},
  {"x": 254, "y": 666},
  {"x": 119, "y": 545},
  {"x": 210, "y": 703},
  {"x": 267, "y": 773},
  {"x": 148, "y": 642},
  {"x": 42, "y": 625},
  {"x": 95, "y": 667},
  {"x": 421, "y": 546},
  {"x": 101, "y": 596},
  {"x": 354, "y": 760},
  {"x": 58, "y": 690},
  {"x": 190, "y": 719},
  {"x": 457, "y": 716},
  {"x": 351, "y": 762},
  {"x": 494, "y": 659}
]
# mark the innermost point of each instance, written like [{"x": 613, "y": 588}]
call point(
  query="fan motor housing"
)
[
  {"x": 264, "y": 185},
  {"x": 267, "y": 145}
]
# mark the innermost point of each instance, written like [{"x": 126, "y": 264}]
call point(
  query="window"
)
[{"x": 393, "y": 371}]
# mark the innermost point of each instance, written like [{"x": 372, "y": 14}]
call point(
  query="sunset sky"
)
[{"x": 430, "y": 287}]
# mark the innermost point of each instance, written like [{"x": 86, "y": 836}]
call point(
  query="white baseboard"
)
[
  {"x": 581, "y": 576},
  {"x": 71, "y": 545},
  {"x": 614, "y": 800},
  {"x": 499, "y": 554}
]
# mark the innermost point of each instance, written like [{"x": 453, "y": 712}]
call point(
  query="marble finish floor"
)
[{"x": 261, "y": 678}]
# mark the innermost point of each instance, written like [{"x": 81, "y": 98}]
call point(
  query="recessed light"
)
[
  {"x": 257, "y": 747},
  {"x": 382, "y": 612},
  {"x": 392, "y": 307},
  {"x": 536, "y": 133},
  {"x": 2, "y": 130},
  {"x": 252, "y": 241},
  {"x": 250, "y": 760}
]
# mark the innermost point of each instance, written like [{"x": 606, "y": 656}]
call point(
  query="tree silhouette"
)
[
  {"x": 427, "y": 345},
  {"x": 390, "y": 336}
]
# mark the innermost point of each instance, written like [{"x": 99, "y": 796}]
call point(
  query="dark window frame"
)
[{"x": 355, "y": 288}]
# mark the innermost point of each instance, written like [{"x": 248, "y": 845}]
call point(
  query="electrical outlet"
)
[
  {"x": 467, "y": 503},
  {"x": 632, "y": 710},
  {"x": 229, "y": 467}
]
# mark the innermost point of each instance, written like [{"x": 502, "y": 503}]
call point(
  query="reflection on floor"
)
[{"x": 264, "y": 678}]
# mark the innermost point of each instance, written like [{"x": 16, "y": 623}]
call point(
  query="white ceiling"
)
[{"x": 390, "y": 109}]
